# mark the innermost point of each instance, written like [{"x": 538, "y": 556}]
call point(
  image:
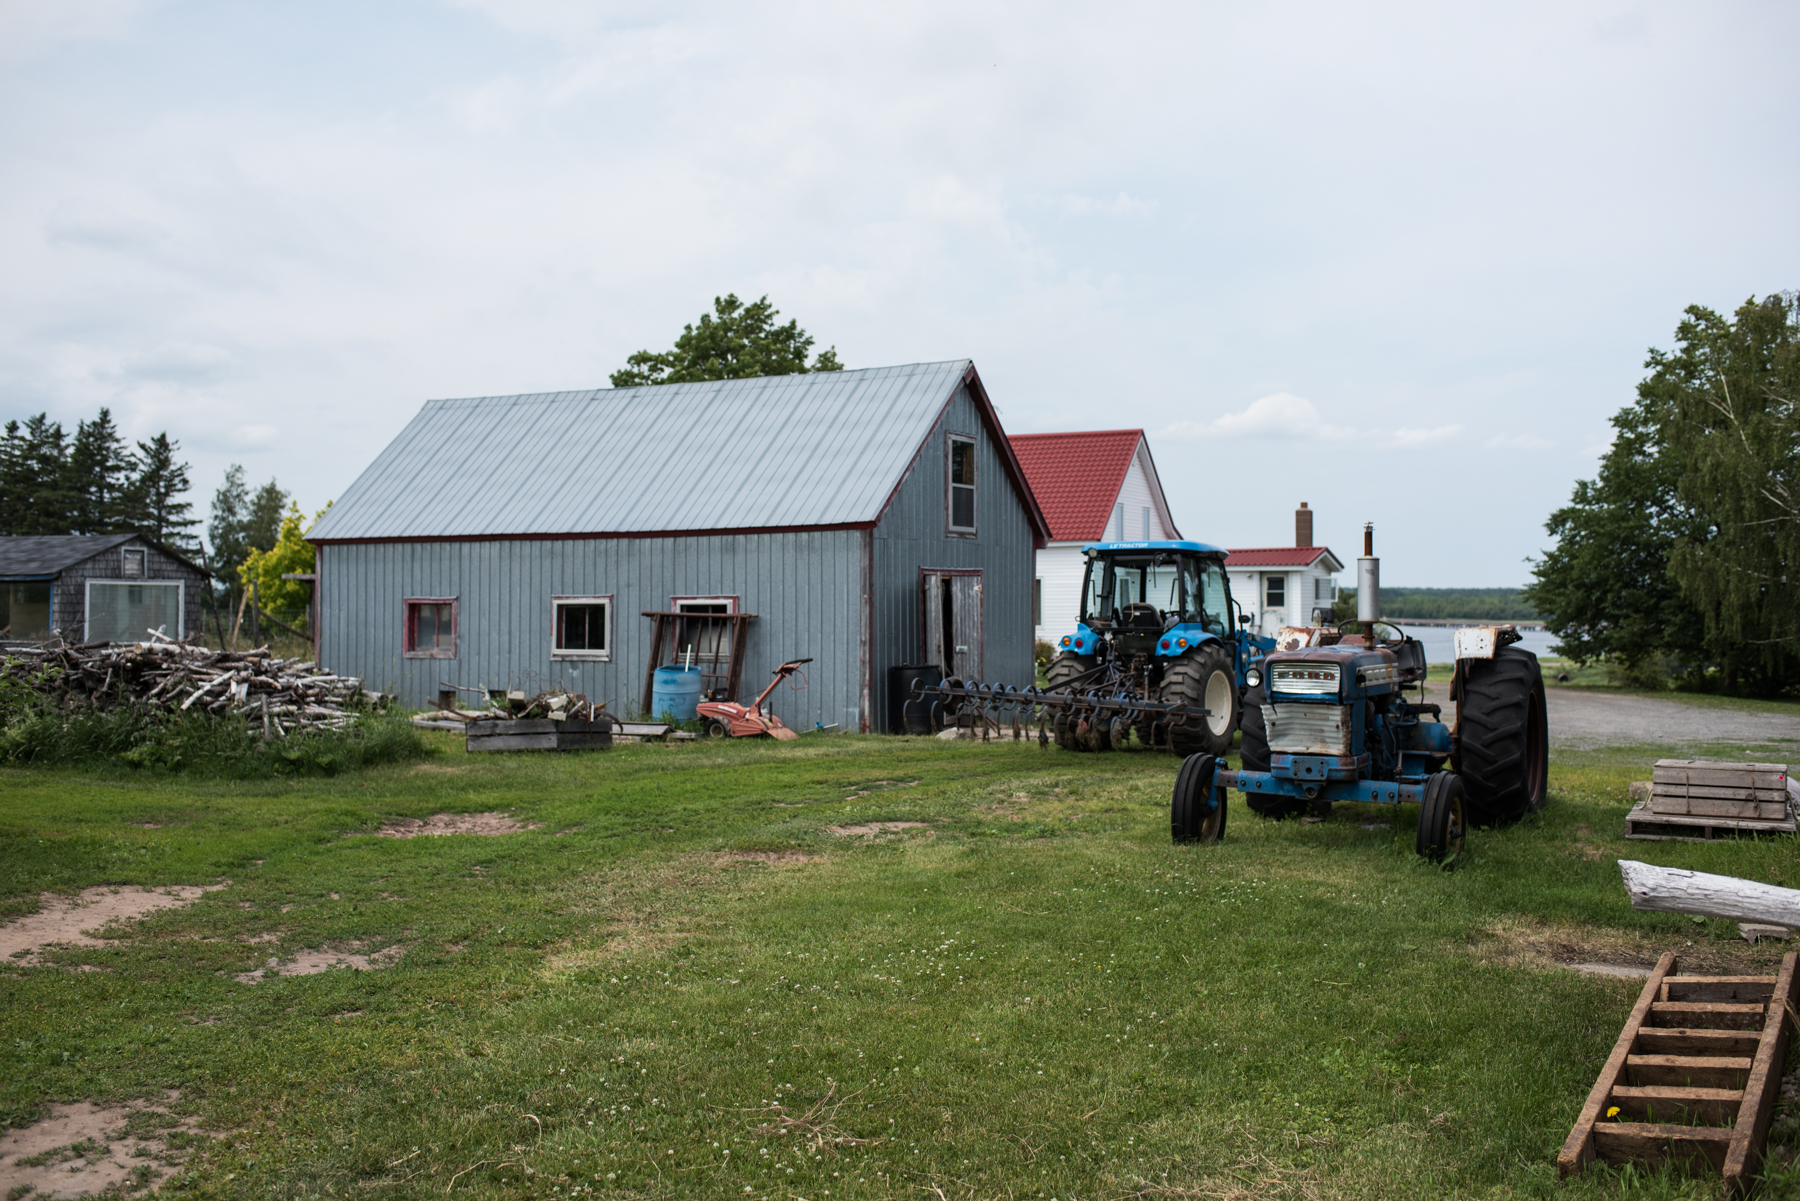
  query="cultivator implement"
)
[{"x": 1080, "y": 716}]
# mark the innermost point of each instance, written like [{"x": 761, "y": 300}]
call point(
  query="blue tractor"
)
[
  {"x": 1160, "y": 649},
  {"x": 1330, "y": 720}
]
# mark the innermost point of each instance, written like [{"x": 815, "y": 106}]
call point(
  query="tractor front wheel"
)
[
  {"x": 1503, "y": 743},
  {"x": 1441, "y": 820},
  {"x": 1204, "y": 678},
  {"x": 1197, "y": 810}
]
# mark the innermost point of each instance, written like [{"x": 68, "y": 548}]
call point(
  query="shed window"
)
[
  {"x": 962, "y": 484},
  {"x": 431, "y": 628},
  {"x": 1118, "y": 523},
  {"x": 1275, "y": 592},
  {"x": 25, "y": 611},
  {"x": 134, "y": 565},
  {"x": 122, "y": 611},
  {"x": 1146, "y": 525},
  {"x": 583, "y": 627}
]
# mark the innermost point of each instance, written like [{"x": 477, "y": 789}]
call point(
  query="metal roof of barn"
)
[
  {"x": 43, "y": 555},
  {"x": 775, "y": 452}
]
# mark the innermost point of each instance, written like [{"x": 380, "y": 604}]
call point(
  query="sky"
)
[{"x": 1400, "y": 261}]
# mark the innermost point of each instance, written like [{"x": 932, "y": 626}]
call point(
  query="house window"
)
[
  {"x": 583, "y": 627},
  {"x": 430, "y": 628},
  {"x": 962, "y": 484},
  {"x": 1037, "y": 602},
  {"x": 1275, "y": 592},
  {"x": 134, "y": 565},
  {"x": 124, "y": 611},
  {"x": 1146, "y": 525},
  {"x": 25, "y": 611}
]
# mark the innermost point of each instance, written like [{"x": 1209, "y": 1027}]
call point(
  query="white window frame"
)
[
  {"x": 950, "y": 485},
  {"x": 556, "y": 605},
  {"x": 1270, "y": 578},
  {"x": 143, "y": 561},
  {"x": 676, "y": 602},
  {"x": 87, "y": 604}
]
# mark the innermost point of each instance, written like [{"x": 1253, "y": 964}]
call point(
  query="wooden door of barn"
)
[{"x": 951, "y": 621}]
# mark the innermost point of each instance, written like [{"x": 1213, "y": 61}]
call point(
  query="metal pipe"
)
[{"x": 1368, "y": 579}]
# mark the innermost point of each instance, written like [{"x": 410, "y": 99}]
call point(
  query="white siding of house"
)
[
  {"x": 1059, "y": 568},
  {"x": 1307, "y": 588}
]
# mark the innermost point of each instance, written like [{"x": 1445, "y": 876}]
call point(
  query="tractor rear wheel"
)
[
  {"x": 1503, "y": 742},
  {"x": 1064, "y": 667},
  {"x": 1253, "y": 749},
  {"x": 1204, "y": 678}
]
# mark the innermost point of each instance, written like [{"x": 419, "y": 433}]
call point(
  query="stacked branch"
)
[
  {"x": 280, "y": 696},
  {"x": 555, "y": 704}
]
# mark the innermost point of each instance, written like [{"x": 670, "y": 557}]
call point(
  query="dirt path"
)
[{"x": 1583, "y": 720}]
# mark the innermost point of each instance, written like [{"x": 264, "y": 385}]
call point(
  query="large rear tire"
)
[
  {"x": 1253, "y": 749},
  {"x": 1204, "y": 678},
  {"x": 1503, "y": 743},
  {"x": 1065, "y": 667}
]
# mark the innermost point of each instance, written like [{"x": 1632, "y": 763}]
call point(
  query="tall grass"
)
[{"x": 136, "y": 738}]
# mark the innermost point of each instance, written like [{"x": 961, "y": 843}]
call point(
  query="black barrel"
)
[{"x": 907, "y": 715}]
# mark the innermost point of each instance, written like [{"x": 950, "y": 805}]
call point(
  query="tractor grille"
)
[{"x": 1308, "y": 729}]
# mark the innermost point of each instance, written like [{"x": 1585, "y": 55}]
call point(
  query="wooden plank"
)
[
  {"x": 1745, "y": 810},
  {"x": 1656, "y": 1143},
  {"x": 1672, "y": 890},
  {"x": 1581, "y": 1147},
  {"x": 1654, "y": 1040},
  {"x": 1707, "y": 771},
  {"x": 513, "y": 742},
  {"x": 1764, "y": 1083},
  {"x": 1707, "y": 1015},
  {"x": 1688, "y": 1071},
  {"x": 1688, "y": 1106},
  {"x": 1641, "y": 813},
  {"x": 1744, "y": 989},
  {"x": 1719, "y": 792}
]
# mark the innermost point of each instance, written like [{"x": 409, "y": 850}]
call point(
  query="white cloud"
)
[
  {"x": 1282, "y": 415},
  {"x": 29, "y": 28},
  {"x": 1519, "y": 442}
]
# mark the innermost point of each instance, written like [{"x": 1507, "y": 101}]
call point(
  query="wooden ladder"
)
[{"x": 1694, "y": 1076}]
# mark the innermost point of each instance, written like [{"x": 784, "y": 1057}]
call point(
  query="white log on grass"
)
[{"x": 1672, "y": 890}]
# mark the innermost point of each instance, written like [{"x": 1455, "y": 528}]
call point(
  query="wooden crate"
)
[
  {"x": 540, "y": 734},
  {"x": 1644, "y": 822},
  {"x": 1694, "y": 1076},
  {"x": 1708, "y": 788}
]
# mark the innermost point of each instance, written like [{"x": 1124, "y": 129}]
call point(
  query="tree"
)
[
  {"x": 99, "y": 470},
  {"x": 743, "y": 342},
  {"x": 1732, "y": 390},
  {"x": 157, "y": 509},
  {"x": 34, "y": 478},
  {"x": 242, "y": 522},
  {"x": 290, "y": 554}
]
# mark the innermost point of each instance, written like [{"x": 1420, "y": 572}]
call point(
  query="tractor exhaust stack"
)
[{"x": 1368, "y": 579}]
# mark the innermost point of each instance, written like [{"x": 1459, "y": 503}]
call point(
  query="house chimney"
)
[{"x": 1303, "y": 525}]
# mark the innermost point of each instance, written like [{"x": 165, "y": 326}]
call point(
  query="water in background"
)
[{"x": 1440, "y": 641}]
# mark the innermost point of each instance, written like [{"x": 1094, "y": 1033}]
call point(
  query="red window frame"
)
[{"x": 408, "y": 625}]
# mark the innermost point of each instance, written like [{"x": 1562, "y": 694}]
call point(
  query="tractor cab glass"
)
[{"x": 1154, "y": 590}]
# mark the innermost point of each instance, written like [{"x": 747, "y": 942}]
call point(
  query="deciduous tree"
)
[{"x": 734, "y": 341}]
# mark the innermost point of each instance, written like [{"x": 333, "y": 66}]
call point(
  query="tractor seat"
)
[{"x": 1143, "y": 616}]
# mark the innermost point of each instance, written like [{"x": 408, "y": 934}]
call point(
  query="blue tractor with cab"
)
[{"x": 1160, "y": 650}]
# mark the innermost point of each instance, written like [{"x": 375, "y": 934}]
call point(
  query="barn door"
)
[{"x": 952, "y": 622}]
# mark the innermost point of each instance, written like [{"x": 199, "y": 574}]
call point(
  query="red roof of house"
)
[
  {"x": 1076, "y": 477},
  {"x": 1279, "y": 556}
]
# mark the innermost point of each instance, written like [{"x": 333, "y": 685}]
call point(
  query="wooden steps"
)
[{"x": 1694, "y": 1076}]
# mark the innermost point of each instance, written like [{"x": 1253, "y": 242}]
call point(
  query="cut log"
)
[{"x": 1672, "y": 890}]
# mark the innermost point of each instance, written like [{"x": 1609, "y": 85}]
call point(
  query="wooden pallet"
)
[
  {"x": 1644, "y": 822},
  {"x": 1694, "y": 1076}
]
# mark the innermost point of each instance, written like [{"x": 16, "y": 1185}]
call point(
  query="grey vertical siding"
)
[
  {"x": 805, "y": 587},
  {"x": 912, "y": 536}
]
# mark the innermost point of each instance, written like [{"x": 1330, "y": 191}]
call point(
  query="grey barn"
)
[
  {"x": 96, "y": 588},
  {"x": 864, "y": 519}
]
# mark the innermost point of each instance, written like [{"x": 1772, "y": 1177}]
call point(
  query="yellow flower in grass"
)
[{"x": 1612, "y": 1113}]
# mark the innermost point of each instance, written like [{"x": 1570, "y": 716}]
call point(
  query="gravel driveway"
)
[{"x": 1582, "y": 720}]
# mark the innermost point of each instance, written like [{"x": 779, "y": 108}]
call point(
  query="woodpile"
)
[
  {"x": 279, "y": 696},
  {"x": 554, "y": 704}
]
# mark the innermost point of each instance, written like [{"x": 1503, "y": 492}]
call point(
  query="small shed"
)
[
  {"x": 96, "y": 588},
  {"x": 863, "y": 519}
]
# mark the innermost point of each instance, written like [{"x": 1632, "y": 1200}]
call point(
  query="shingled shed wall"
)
[{"x": 70, "y": 612}]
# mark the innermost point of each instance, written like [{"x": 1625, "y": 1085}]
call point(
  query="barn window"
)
[
  {"x": 583, "y": 627},
  {"x": 1037, "y": 602},
  {"x": 430, "y": 628},
  {"x": 962, "y": 484},
  {"x": 134, "y": 565},
  {"x": 123, "y": 611},
  {"x": 1275, "y": 592}
]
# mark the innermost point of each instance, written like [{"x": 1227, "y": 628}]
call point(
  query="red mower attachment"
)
[{"x": 728, "y": 719}]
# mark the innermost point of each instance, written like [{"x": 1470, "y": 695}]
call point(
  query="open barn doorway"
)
[{"x": 952, "y": 625}]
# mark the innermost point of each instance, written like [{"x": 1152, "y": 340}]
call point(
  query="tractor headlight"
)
[{"x": 1253, "y": 676}]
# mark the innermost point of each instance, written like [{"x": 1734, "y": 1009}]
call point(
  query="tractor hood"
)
[{"x": 1342, "y": 671}]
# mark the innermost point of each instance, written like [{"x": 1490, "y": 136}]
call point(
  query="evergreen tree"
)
[
  {"x": 226, "y": 529},
  {"x": 99, "y": 470},
  {"x": 743, "y": 342},
  {"x": 156, "y": 505},
  {"x": 263, "y": 520},
  {"x": 34, "y": 478}
]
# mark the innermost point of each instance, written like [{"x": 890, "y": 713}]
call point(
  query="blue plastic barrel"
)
[{"x": 675, "y": 691}]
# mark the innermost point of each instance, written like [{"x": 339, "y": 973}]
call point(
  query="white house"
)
[
  {"x": 1281, "y": 585},
  {"x": 1099, "y": 485}
]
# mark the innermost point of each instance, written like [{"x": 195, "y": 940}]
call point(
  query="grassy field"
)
[{"x": 683, "y": 983}]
